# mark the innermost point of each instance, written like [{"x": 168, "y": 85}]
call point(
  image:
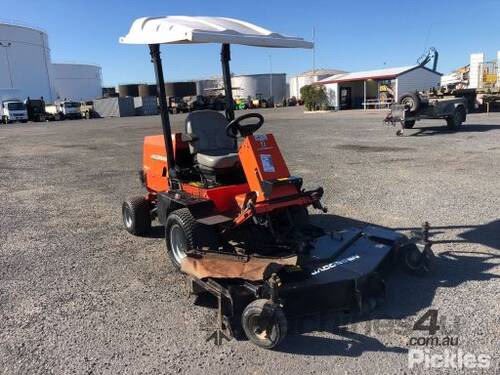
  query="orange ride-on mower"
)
[{"x": 236, "y": 222}]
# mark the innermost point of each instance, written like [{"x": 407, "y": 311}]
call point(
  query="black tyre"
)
[
  {"x": 184, "y": 233},
  {"x": 411, "y": 101},
  {"x": 416, "y": 262},
  {"x": 456, "y": 120},
  {"x": 87, "y": 115},
  {"x": 264, "y": 323},
  {"x": 409, "y": 124},
  {"x": 136, "y": 215},
  {"x": 24, "y": 121},
  {"x": 5, "y": 120}
]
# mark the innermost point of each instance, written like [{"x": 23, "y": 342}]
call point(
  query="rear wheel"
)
[
  {"x": 264, "y": 323},
  {"x": 184, "y": 233},
  {"x": 136, "y": 215}
]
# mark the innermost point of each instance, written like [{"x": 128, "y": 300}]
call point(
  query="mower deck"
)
[{"x": 341, "y": 271}]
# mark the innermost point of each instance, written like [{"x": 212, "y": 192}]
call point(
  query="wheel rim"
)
[
  {"x": 127, "y": 218},
  {"x": 178, "y": 242},
  {"x": 408, "y": 102},
  {"x": 261, "y": 333}
]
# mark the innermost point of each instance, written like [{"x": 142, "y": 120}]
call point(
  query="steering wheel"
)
[{"x": 235, "y": 129}]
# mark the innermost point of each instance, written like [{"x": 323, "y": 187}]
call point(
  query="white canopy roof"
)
[{"x": 191, "y": 30}]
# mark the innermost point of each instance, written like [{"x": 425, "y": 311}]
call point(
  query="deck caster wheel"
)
[
  {"x": 264, "y": 323},
  {"x": 416, "y": 262},
  {"x": 136, "y": 215}
]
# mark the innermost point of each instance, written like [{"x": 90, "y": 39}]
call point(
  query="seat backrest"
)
[{"x": 210, "y": 129}]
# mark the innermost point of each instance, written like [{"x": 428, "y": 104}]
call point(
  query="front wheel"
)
[
  {"x": 184, "y": 233},
  {"x": 264, "y": 323}
]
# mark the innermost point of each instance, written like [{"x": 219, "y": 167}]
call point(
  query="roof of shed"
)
[{"x": 387, "y": 73}]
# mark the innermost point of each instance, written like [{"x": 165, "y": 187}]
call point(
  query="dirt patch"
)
[
  {"x": 361, "y": 148},
  {"x": 79, "y": 146}
]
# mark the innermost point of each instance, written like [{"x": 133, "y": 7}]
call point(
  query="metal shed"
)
[
  {"x": 115, "y": 107},
  {"x": 308, "y": 78},
  {"x": 377, "y": 88},
  {"x": 146, "y": 105}
]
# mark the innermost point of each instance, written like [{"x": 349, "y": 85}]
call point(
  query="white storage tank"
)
[
  {"x": 260, "y": 86},
  {"x": 77, "y": 81},
  {"x": 25, "y": 61}
]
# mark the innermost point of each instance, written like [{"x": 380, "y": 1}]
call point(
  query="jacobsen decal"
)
[
  {"x": 330, "y": 266},
  {"x": 158, "y": 157}
]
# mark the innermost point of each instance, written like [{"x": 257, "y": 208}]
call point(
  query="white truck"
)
[
  {"x": 13, "y": 110},
  {"x": 65, "y": 109}
]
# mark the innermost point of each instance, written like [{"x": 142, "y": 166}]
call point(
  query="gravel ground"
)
[{"x": 78, "y": 294}]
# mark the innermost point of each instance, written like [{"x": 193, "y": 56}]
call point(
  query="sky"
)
[{"x": 350, "y": 35}]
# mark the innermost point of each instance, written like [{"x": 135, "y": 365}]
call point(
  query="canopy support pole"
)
[
  {"x": 154, "y": 50},
  {"x": 225, "y": 57}
]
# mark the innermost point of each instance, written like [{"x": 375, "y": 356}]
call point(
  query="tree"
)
[{"x": 314, "y": 97}]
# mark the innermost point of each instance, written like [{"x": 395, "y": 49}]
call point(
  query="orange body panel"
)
[
  {"x": 222, "y": 196},
  {"x": 262, "y": 161},
  {"x": 155, "y": 160}
]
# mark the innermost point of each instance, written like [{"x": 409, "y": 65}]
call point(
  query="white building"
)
[
  {"x": 307, "y": 78},
  {"x": 77, "y": 81},
  {"x": 359, "y": 89},
  {"x": 25, "y": 65}
]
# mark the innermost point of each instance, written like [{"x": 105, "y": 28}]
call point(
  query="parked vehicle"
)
[
  {"x": 197, "y": 102},
  {"x": 177, "y": 105},
  {"x": 241, "y": 103},
  {"x": 65, "y": 110},
  {"x": 217, "y": 102},
  {"x": 36, "y": 109},
  {"x": 13, "y": 110},
  {"x": 416, "y": 106},
  {"x": 87, "y": 110},
  {"x": 236, "y": 222}
]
